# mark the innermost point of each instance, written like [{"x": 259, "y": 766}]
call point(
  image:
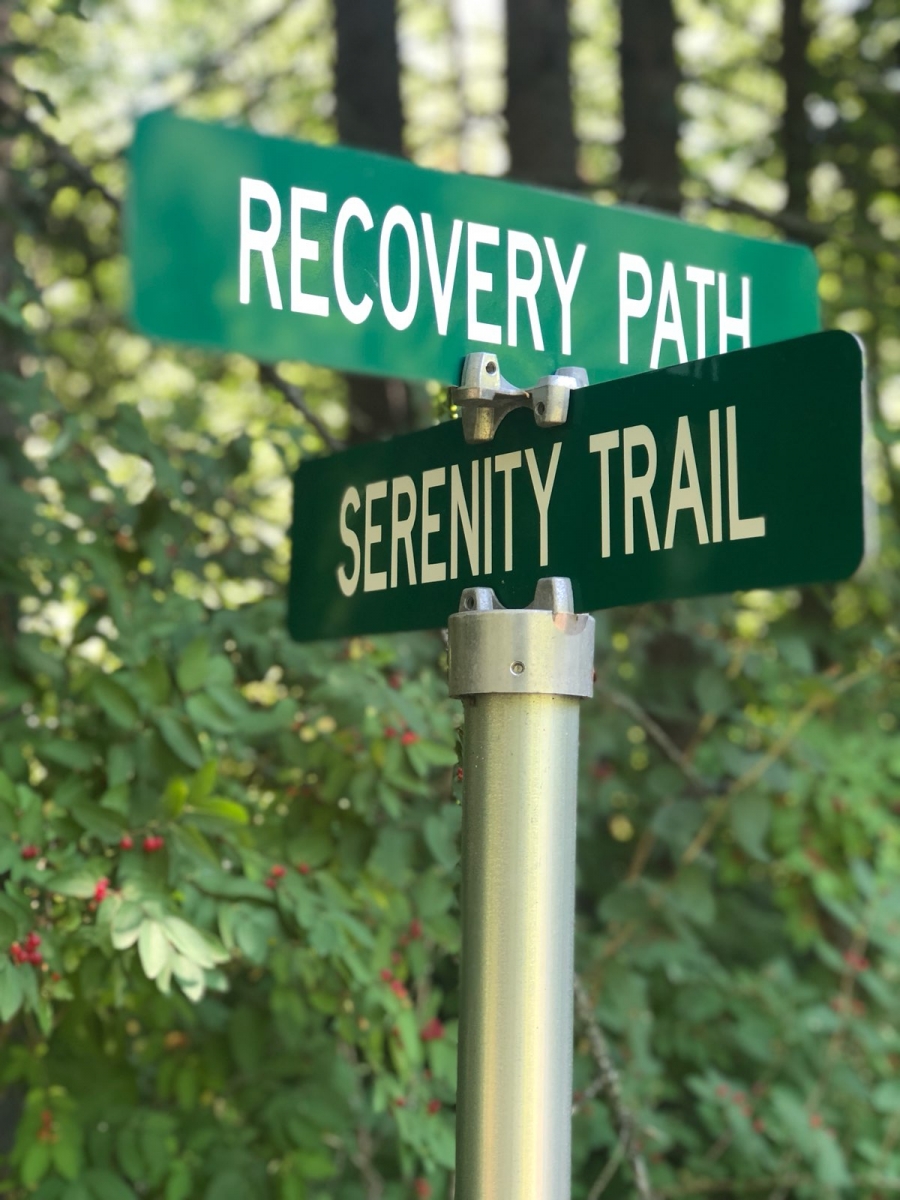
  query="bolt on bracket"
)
[{"x": 484, "y": 397}]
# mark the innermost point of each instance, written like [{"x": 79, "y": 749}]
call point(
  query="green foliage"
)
[{"x": 241, "y": 875}]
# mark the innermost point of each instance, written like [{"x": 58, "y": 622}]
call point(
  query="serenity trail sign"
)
[
  {"x": 285, "y": 250},
  {"x": 742, "y": 470}
]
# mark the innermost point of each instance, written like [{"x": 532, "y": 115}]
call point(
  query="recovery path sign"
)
[
  {"x": 738, "y": 471},
  {"x": 284, "y": 250}
]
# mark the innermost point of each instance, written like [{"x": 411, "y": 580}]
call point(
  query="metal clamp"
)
[{"x": 484, "y": 397}]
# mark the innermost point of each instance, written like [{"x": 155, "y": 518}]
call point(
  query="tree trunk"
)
[
  {"x": 650, "y": 171},
  {"x": 795, "y": 140},
  {"x": 540, "y": 124},
  {"x": 369, "y": 115}
]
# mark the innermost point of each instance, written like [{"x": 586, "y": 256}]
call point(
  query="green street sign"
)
[
  {"x": 742, "y": 470},
  {"x": 284, "y": 250}
]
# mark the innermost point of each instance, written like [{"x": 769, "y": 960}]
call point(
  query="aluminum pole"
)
[{"x": 520, "y": 673}]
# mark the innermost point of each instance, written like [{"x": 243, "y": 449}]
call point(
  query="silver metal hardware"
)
[{"x": 484, "y": 397}]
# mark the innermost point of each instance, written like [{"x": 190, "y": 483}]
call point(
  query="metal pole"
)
[{"x": 520, "y": 673}]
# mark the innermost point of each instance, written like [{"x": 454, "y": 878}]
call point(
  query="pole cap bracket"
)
[{"x": 544, "y": 649}]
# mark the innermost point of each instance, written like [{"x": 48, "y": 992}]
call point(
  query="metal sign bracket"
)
[{"x": 484, "y": 397}]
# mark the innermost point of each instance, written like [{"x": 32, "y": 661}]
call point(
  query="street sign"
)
[
  {"x": 742, "y": 470},
  {"x": 284, "y": 250}
]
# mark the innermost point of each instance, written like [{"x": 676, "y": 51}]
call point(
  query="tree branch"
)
[
  {"x": 610, "y": 1085},
  {"x": 294, "y": 397}
]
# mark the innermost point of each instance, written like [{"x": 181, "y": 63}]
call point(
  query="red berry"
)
[
  {"x": 415, "y": 928},
  {"x": 386, "y": 975},
  {"x": 390, "y": 731},
  {"x": 55, "y": 976},
  {"x": 398, "y": 989},
  {"x": 395, "y": 679},
  {"x": 33, "y": 940},
  {"x": 126, "y": 842},
  {"x": 278, "y": 871},
  {"x": 152, "y": 843},
  {"x": 29, "y": 851},
  {"x": 409, "y": 738},
  {"x": 400, "y": 1102},
  {"x": 34, "y": 957},
  {"x": 433, "y": 1031},
  {"x": 15, "y": 952},
  {"x": 459, "y": 774},
  {"x": 303, "y": 868},
  {"x": 434, "y": 1106},
  {"x": 101, "y": 888},
  {"x": 423, "y": 1189},
  {"x": 272, "y": 883}
]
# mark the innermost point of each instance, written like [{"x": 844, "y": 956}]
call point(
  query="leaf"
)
[
  {"x": 203, "y": 782},
  {"x": 103, "y": 823},
  {"x": 194, "y": 945},
  {"x": 11, "y": 994},
  {"x": 228, "y": 810},
  {"x": 153, "y": 948},
  {"x": 442, "y": 836},
  {"x": 750, "y": 815},
  {"x": 104, "y": 1185},
  {"x": 66, "y": 1153},
  {"x": 35, "y": 1164},
  {"x": 67, "y": 753},
  {"x": 713, "y": 692},
  {"x": 193, "y": 665},
  {"x": 115, "y": 702},
  {"x": 182, "y": 742},
  {"x": 126, "y": 925},
  {"x": 78, "y": 883}
]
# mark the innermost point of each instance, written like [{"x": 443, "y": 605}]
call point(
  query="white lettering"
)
[
  {"x": 715, "y": 475},
  {"x": 400, "y": 318},
  {"x": 305, "y": 248},
  {"x": 738, "y": 326},
  {"x": 685, "y": 497},
  {"x": 506, "y": 464},
  {"x": 347, "y": 583},
  {"x": 481, "y": 281},
  {"x": 523, "y": 289},
  {"x": 260, "y": 240},
  {"x": 373, "y": 581},
  {"x": 632, "y": 264},
  {"x": 738, "y": 527},
  {"x": 441, "y": 290},
  {"x": 542, "y": 493},
  {"x": 402, "y": 528},
  {"x": 603, "y": 443},
  {"x": 565, "y": 286},
  {"x": 431, "y": 523},
  {"x": 461, "y": 515},
  {"x": 355, "y": 311},
  {"x": 637, "y": 487},
  {"x": 488, "y": 564},
  {"x": 701, "y": 278},
  {"x": 668, "y": 330}
]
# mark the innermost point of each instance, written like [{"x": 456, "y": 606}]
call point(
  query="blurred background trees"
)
[{"x": 228, "y": 936}]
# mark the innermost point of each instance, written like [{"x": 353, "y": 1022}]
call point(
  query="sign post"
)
[
  {"x": 521, "y": 675},
  {"x": 699, "y": 475}
]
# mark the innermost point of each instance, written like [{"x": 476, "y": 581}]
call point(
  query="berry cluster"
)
[
  {"x": 276, "y": 872},
  {"x": 152, "y": 842},
  {"x": 28, "y": 953},
  {"x": 407, "y": 737}
]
